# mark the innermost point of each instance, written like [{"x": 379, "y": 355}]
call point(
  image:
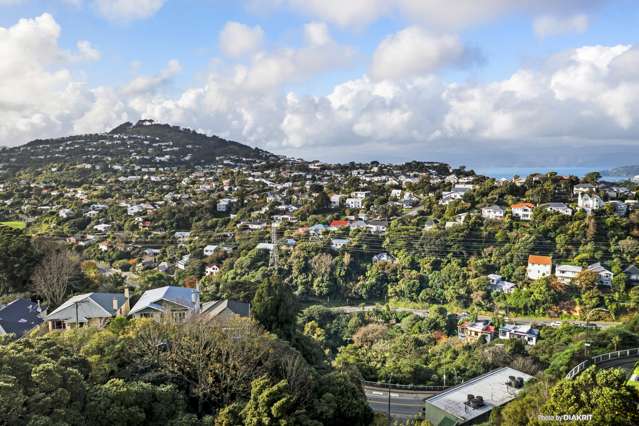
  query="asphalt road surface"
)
[
  {"x": 403, "y": 404},
  {"x": 523, "y": 320}
]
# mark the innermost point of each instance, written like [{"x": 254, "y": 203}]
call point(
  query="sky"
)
[{"x": 491, "y": 83}]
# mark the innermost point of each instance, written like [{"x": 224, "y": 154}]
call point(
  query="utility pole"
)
[
  {"x": 389, "y": 401},
  {"x": 274, "y": 259}
]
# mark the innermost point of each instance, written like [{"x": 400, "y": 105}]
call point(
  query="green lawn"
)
[{"x": 15, "y": 224}]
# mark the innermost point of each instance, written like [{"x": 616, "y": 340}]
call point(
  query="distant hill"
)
[
  {"x": 623, "y": 171},
  {"x": 144, "y": 143}
]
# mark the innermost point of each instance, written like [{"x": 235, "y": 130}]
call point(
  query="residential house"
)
[
  {"x": 455, "y": 194},
  {"x": 496, "y": 283},
  {"x": 383, "y": 257},
  {"x": 182, "y": 236},
  {"x": 172, "y": 303},
  {"x": 209, "y": 250},
  {"x": 589, "y": 202},
  {"x": 583, "y": 188},
  {"x": 265, "y": 246},
  {"x": 632, "y": 272},
  {"x": 472, "y": 401},
  {"x": 336, "y": 201},
  {"x": 338, "y": 243},
  {"x": 19, "y": 317},
  {"x": 605, "y": 276},
  {"x": 360, "y": 194},
  {"x": 566, "y": 273},
  {"x": 338, "y": 224},
  {"x": 539, "y": 267},
  {"x": 354, "y": 203},
  {"x": 558, "y": 208},
  {"x": 429, "y": 224},
  {"x": 184, "y": 262},
  {"x": 225, "y": 309},
  {"x": 620, "y": 208},
  {"x": 377, "y": 226},
  {"x": 474, "y": 331},
  {"x": 524, "y": 333},
  {"x": 522, "y": 211},
  {"x": 493, "y": 212},
  {"x": 317, "y": 229},
  {"x": 224, "y": 205},
  {"x": 90, "y": 309},
  {"x": 211, "y": 270},
  {"x": 66, "y": 213}
]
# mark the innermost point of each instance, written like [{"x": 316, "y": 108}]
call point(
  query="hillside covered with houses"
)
[{"x": 468, "y": 272}]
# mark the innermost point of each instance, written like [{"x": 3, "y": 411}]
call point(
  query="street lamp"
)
[{"x": 587, "y": 343}]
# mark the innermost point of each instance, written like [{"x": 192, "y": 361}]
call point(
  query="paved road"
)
[
  {"x": 403, "y": 404},
  {"x": 521, "y": 320}
]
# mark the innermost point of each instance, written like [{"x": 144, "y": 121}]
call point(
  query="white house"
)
[
  {"x": 66, "y": 213},
  {"x": 211, "y": 270},
  {"x": 360, "y": 194},
  {"x": 354, "y": 203},
  {"x": 525, "y": 333},
  {"x": 566, "y": 273},
  {"x": 538, "y": 267},
  {"x": 224, "y": 205},
  {"x": 209, "y": 250},
  {"x": 583, "y": 188},
  {"x": 336, "y": 200},
  {"x": 605, "y": 276},
  {"x": 493, "y": 212},
  {"x": 589, "y": 202},
  {"x": 338, "y": 243},
  {"x": 383, "y": 257},
  {"x": 559, "y": 208},
  {"x": 522, "y": 211}
]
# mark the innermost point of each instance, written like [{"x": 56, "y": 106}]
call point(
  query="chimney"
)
[
  {"x": 195, "y": 298},
  {"x": 115, "y": 304}
]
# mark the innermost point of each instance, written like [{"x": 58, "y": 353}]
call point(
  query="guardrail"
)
[
  {"x": 418, "y": 388},
  {"x": 599, "y": 359}
]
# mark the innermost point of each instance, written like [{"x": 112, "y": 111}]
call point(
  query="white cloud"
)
[
  {"x": 128, "y": 10},
  {"x": 150, "y": 84},
  {"x": 38, "y": 96},
  {"x": 586, "y": 94},
  {"x": 237, "y": 39},
  {"x": 451, "y": 15},
  {"x": 349, "y": 13},
  {"x": 414, "y": 51},
  {"x": 87, "y": 51},
  {"x": 548, "y": 26},
  {"x": 316, "y": 34},
  {"x": 271, "y": 70}
]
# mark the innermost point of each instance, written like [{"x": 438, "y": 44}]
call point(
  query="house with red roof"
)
[
  {"x": 522, "y": 211},
  {"x": 473, "y": 331},
  {"x": 338, "y": 224},
  {"x": 539, "y": 266}
]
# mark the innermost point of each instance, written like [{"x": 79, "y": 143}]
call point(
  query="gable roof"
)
[
  {"x": 182, "y": 296},
  {"x": 19, "y": 316},
  {"x": 522, "y": 205},
  {"x": 90, "y": 305},
  {"x": 539, "y": 260},
  {"x": 215, "y": 307}
]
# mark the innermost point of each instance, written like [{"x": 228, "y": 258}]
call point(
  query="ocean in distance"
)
[{"x": 509, "y": 172}]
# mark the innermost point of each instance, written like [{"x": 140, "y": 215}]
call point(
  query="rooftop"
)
[{"x": 491, "y": 386}]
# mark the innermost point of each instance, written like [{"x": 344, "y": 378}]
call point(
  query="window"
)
[
  {"x": 57, "y": 325},
  {"x": 179, "y": 316}
]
